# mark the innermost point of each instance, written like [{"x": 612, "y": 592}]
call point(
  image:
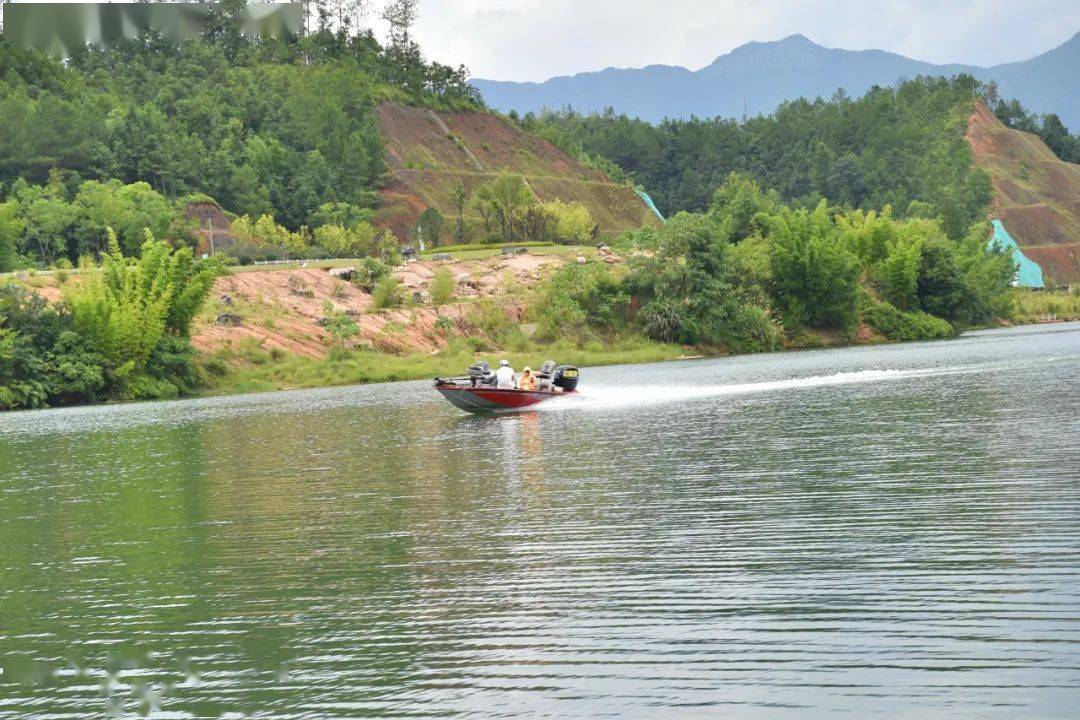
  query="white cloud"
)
[{"x": 537, "y": 39}]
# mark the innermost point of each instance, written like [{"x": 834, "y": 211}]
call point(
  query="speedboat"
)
[{"x": 477, "y": 392}]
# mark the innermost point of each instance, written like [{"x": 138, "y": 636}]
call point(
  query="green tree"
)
[
  {"x": 505, "y": 197},
  {"x": 11, "y": 226},
  {"x": 49, "y": 221},
  {"x": 23, "y": 382},
  {"x": 574, "y": 223},
  {"x": 460, "y": 198},
  {"x": 130, "y": 210},
  {"x": 940, "y": 286},
  {"x": 340, "y": 326},
  {"x": 430, "y": 226},
  {"x": 344, "y": 214},
  {"x": 738, "y": 202},
  {"x": 814, "y": 277},
  {"x": 339, "y": 241},
  {"x": 128, "y": 308},
  {"x": 689, "y": 291},
  {"x": 900, "y": 274}
]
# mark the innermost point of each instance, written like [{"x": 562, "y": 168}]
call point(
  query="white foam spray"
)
[{"x": 600, "y": 397}]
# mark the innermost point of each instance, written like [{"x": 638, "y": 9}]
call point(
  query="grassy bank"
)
[
  {"x": 260, "y": 371},
  {"x": 1045, "y": 306}
]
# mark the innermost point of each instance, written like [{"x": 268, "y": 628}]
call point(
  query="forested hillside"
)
[
  {"x": 262, "y": 127},
  {"x": 902, "y": 147}
]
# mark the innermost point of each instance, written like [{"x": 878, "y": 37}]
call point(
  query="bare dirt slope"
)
[
  {"x": 429, "y": 153},
  {"x": 1036, "y": 195},
  {"x": 282, "y": 308}
]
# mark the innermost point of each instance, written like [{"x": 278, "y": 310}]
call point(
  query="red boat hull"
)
[{"x": 489, "y": 400}]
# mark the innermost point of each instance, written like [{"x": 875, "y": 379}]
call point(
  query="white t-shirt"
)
[{"x": 505, "y": 377}]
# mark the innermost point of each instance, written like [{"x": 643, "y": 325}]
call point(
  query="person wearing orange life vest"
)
[{"x": 527, "y": 380}]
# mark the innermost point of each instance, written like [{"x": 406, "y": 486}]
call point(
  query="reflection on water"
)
[{"x": 891, "y": 530}]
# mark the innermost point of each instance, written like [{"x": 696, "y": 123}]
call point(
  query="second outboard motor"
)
[{"x": 566, "y": 377}]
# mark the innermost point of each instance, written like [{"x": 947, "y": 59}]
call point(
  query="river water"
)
[{"x": 883, "y": 531}]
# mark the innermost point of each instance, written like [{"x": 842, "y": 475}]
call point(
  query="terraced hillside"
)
[
  {"x": 428, "y": 153},
  {"x": 1036, "y": 195}
]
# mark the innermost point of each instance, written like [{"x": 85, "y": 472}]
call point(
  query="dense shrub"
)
[
  {"x": 690, "y": 290},
  {"x": 578, "y": 297},
  {"x": 898, "y": 325},
  {"x": 388, "y": 293},
  {"x": 369, "y": 272},
  {"x": 442, "y": 287}
]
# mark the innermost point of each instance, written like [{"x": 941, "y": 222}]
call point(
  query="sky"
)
[{"x": 539, "y": 39}]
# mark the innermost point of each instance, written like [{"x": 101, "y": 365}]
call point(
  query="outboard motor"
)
[
  {"x": 480, "y": 373},
  {"x": 566, "y": 377}
]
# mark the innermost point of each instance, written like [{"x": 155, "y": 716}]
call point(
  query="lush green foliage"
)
[
  {"x": 895, "y": 324},
  {"x": 891, "y": 147},
  {"x": 123, "y": 332},
  {"x": 342, "y": 241},
  {"x": 815, "y": 278},
  {"x": 132, "y": 310},
  {"x": 692, "y": 290},
  {"x": 573, "y": 222},
  {"x": 11, "y": 227},
  {"x": 1040, "y": 306},
  {"x": 579, "y": 298},
  {"x": 61, "y": 221},
  {"x": 122, "y": 336},
  {"x": 431, "y": 226},
  {"x": 735, "y": 276},
  {"x": 511, "y": 212},
  {"x": 369, "y": 272},
  {"x": 388, "y": 293}
]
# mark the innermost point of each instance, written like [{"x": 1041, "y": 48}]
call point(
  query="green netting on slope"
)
[
  {"x": 648, "y": 201},
  {"x": 1028, "y": 272}
]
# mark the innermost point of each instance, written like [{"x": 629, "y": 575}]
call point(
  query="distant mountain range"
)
[{"x": 756, "y": 77}]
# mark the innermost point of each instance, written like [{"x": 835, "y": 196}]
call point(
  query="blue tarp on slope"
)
[
  {"x": 648, "y": 201},
  {"x": 1028, "y": 272}
]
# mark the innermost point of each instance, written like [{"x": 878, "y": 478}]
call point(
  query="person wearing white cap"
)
[{"x": 505, "y": 376}]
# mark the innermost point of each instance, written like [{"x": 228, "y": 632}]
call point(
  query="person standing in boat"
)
[
  {"x": 528, "y": 380},
  {"x": 505, "y": 377}
]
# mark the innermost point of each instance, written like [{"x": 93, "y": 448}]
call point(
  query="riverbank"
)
[
  {"x": 261, "y": 371},
  {"x": 295, "y": 327},
  {"x": 253, "y": 369}
]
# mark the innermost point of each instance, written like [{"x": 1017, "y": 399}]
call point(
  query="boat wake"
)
[{"x": 594, "y": 397}]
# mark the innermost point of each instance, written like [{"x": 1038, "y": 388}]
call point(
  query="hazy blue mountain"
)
[{"x": 754, "y": 78}]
